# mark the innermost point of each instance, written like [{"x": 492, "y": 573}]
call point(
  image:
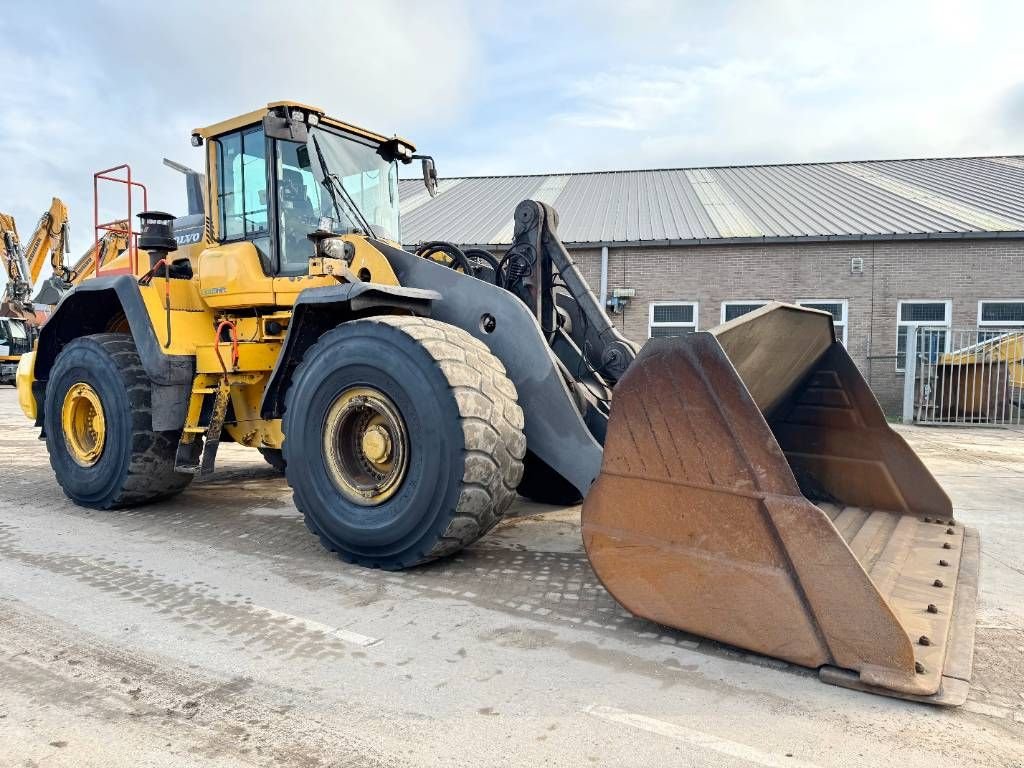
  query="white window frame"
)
[
  {"x": 843, "y": 324},
  {"x": 1009, "y": 325},
  {"x": 907, "y": 323},
  {"x": 734, "y": 302},
  {"x": 651, "y": 324}
]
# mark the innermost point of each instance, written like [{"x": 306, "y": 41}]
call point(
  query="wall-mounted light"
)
[{"x": 620, "y": 298}]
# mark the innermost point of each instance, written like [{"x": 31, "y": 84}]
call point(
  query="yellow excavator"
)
[
  {"x": 110, "y": 245},
  {"x": 740, "y": 483},
  {"x": 18, "y": 320}
]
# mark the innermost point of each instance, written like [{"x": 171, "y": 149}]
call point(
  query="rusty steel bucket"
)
[{"x": 752, "y": 492}]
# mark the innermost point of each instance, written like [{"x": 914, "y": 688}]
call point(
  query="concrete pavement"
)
[{"x": 213, "y": 630}]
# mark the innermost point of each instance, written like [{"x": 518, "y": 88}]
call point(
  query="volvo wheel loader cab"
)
[{"x": 739, "y": 483}]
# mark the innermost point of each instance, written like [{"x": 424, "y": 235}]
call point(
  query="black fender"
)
[
  {"x": 95, "y": 306},
  {"x": 317, "y": 310}
]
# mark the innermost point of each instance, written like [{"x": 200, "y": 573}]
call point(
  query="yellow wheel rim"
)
[
  {"x": 366, "y": 445},
  {"x": 83, "y": 423}
]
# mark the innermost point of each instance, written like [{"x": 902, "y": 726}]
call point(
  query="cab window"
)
[
  {"x": 299, "y": 211},
  {"x": 18, "y": 332},
  {"x": 242, "y": 185}
]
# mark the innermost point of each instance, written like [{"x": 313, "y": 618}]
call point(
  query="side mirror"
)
[
  {"x": 429, "y": 175},
  {"x": 285, "y": 127}
]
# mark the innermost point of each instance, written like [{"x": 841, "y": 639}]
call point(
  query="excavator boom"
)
[
  {"x": 24, "y": 265},
  {"x": 49, "y": 239},
  {"x": 16, "y": 291},
  {"x": 109, "y": 247}
]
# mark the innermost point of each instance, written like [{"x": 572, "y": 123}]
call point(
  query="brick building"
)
[{"x": 879, "y": 244}]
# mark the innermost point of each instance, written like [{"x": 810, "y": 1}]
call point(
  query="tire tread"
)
[
  {"x": 150, "y": 476},
  {"x": 491, "y": 423}
]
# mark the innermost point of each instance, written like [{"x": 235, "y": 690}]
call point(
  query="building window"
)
[
  {"x": 933, "y": 317},
  {"x": 733, "y": 309},
  {"x": 838, "y": 308},
  {"x": 999, "y": 316},
  {"x": 671, "y": 318}
]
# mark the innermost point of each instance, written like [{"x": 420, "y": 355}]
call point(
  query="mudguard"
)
[
  {"x": 90, "y": 308},
  {"x": 317, "y": 310}
]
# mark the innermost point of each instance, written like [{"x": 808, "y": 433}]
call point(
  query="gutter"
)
[{"x": 787, "y": 239}]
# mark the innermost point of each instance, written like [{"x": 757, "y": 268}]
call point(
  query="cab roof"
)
[{"x": 251, "y": 118}]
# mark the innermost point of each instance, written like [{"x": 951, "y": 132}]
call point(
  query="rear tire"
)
[
  {"x": 135, "y": 464},
  {"x": 274, "y": 457},
  {"x": 459, "y": 425}
]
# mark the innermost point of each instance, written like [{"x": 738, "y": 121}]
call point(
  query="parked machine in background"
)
[
  {"x": 741, "y": 483},
  {"x": 16, "y": 338},
  {"x": 23, "y": 267},
  {"x": 25, "y": 264}
]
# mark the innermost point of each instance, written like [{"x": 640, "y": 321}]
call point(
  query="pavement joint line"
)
[
  {"x": 342, "y": 634},
  {"x": 696, "y": 738}
]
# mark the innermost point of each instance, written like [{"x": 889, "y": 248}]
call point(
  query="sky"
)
[{"x": 491, "y": 87}]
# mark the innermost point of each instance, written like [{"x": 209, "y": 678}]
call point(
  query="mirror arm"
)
[{"x": 429, "y": 173}]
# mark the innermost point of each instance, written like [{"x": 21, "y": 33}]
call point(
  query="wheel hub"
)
[
  {"x": 83, "y": 424},
  {"x": 366, "y": 445},
  {"x": 376, "y": 444}
]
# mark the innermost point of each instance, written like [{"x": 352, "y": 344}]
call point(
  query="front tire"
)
[
  {"x": 424, "y": 442},
  {"x": 98, "y": 422}
]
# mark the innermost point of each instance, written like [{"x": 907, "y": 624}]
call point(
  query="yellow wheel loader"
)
[{"x": 740, "y": 484}]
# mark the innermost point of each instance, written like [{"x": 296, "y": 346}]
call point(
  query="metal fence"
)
[{"x": 963, "y": 376}]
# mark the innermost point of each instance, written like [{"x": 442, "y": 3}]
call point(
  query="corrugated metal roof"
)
[{"x": 873, "y": 199}]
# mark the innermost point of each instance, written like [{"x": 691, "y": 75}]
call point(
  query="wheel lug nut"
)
[
  {"x": 923, "y": 640},
  {"x": 937, "y": 583},
  {"x": 932, "y": 608}
]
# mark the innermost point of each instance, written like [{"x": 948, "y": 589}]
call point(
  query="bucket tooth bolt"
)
[
  {"x": 923, "y": 640},
  {"x": 937, "y": 583},
  {"x": 932, "y": 608}
]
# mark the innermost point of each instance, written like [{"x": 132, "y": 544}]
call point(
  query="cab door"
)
[{"x": 297, "y": 199}]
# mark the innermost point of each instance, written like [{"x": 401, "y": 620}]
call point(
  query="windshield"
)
[
  {"x": 370, "y": 181},
  {"x": 334, "y": 183}
]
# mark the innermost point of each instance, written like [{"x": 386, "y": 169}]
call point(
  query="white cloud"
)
[
  {"x": 91, "y": 87},
  {"x": 785, "y": 82},
  {"x": 493, "y": 87}
]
